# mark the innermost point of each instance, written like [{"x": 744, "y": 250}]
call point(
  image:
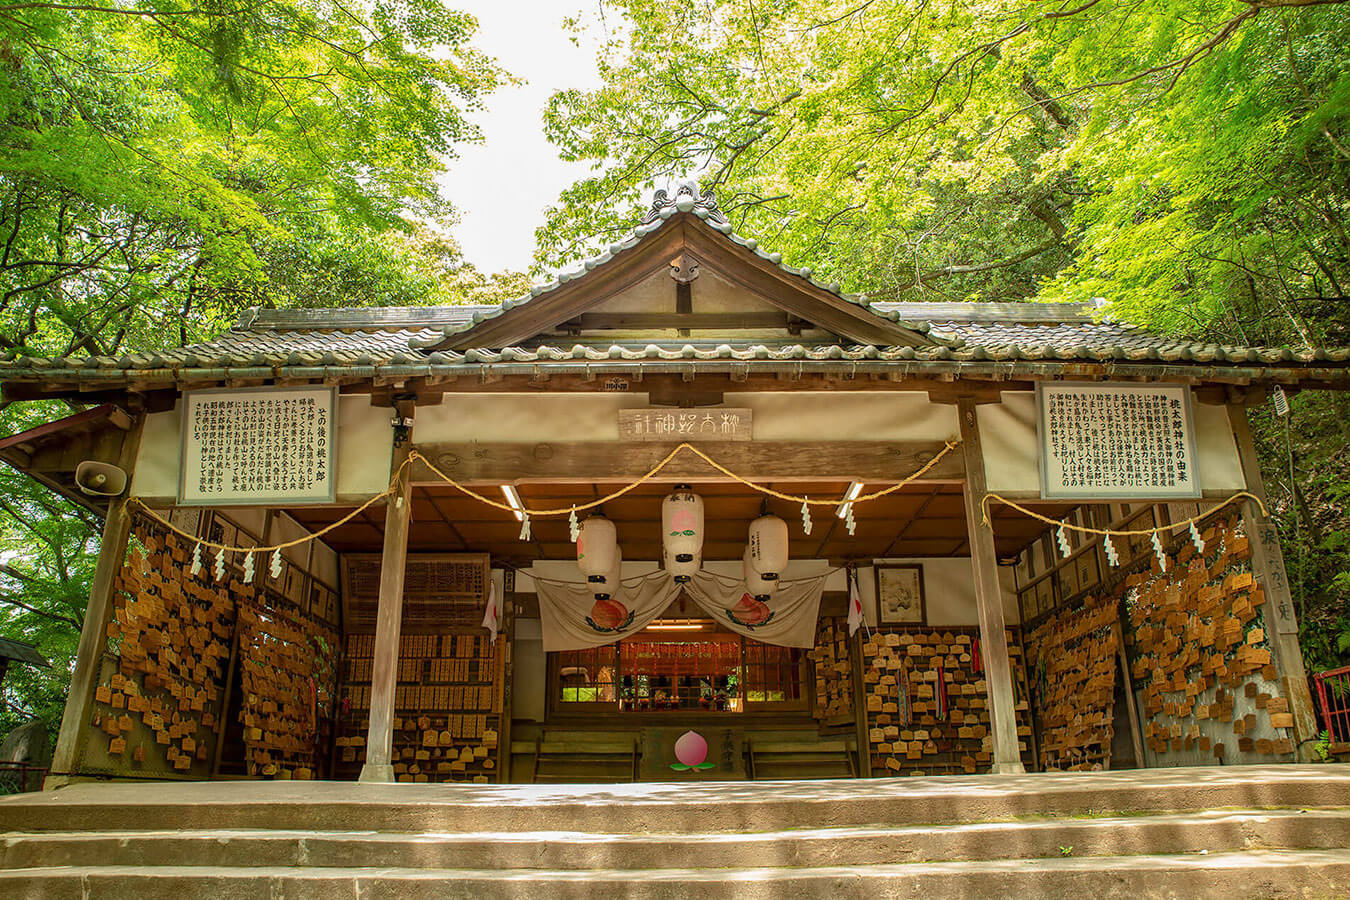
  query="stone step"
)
[
  {"x": 1254, "y": 873},
  {"x": 685, "y": 807},
  {"x": 1214, "y": 831}
]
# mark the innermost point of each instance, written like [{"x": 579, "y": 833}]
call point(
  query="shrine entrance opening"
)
[{"x": 684, "y": 670}]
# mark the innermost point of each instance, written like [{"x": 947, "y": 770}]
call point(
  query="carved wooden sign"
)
[{"x": 704, "y": 424}]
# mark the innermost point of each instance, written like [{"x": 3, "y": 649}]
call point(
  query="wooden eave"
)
[
  {"x": 50, "y": 453},
  {"x": 685, "y": 232}
]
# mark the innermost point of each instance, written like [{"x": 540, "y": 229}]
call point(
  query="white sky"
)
[{"x": 502, "y": 186}]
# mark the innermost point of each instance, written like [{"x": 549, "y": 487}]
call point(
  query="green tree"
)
[{"x": 164, "y": 164}]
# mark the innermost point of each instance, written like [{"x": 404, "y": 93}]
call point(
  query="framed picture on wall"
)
[{"x": 900, "y": 599}]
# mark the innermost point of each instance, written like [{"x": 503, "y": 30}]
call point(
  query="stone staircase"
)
[{"x": 1231, "y": 832}]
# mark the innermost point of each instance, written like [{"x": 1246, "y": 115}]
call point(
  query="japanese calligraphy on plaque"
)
[
  {"x": 1103, "y": 440},
  {"x": 258, "y": 446},
  {"x": 708, "y": 424}
]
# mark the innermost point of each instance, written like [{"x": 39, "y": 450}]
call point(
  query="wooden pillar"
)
[
  {"x": 1268, "y": 567},
  {"x": 989, "y": 601},
  {"x": 84, "y": 679},
  {"x": 860, "y": 705},
  {"x": 1131, "y": 706},
  {"x": 379, "y": 765},
  {"x": 507, "y": 633}
]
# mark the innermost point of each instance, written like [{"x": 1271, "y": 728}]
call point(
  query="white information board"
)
[
  {"x": 258, "y": 445},
  {"x": 1102, "y": 441}
]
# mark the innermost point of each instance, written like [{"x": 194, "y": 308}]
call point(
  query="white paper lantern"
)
[
  {"x": 597, "y": 546},
  {"x": 761, "y": 587},
  {"x": 768, "y": 546},
  {"x": 682, "y": 533},
  {"x": 608, "y": 584}
]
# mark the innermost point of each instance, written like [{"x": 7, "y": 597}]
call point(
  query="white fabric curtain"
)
[
  {"x": 572, "y": 619},
  {"x": 787, "y": 619}
]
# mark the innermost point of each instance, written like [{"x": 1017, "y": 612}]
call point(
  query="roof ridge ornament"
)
[{"x": 688, "y": 197}]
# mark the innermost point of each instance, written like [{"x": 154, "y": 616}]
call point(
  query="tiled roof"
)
[
  {"x": 367, "y": 339},
  {"x": 401, "y": 342}
]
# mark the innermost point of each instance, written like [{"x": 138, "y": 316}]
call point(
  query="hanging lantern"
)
[
  {"x": 768, "y": 546},
  {"x": 757, "y": 585},
  {"x": 608, "y": 584},
  {"x": 597, "y": 546},
  {"x": 682, "y": 533}
]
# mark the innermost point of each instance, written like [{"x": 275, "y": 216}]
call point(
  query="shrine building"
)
[{"x": 547, "y": 540}]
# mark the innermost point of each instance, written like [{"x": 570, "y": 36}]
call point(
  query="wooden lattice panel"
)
[{"x": 439, "y": 589}]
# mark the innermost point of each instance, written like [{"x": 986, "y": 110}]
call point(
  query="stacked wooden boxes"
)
[
  {"x": 910, "y": 730},
  {"x": 833, "y": 670},
  {"x": 448, "y": 703},
  {"x": 1202, "y": 656}
]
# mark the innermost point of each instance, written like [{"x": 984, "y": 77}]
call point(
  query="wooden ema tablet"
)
[{"x": 1078, "y": 650}]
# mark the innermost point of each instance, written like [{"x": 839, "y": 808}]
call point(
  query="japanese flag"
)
[
  {"x": 855, "y": 607},
  {"x": 492, "y": 616}
]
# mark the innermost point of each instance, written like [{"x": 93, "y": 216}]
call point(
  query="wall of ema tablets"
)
[
  {"x": 1197, "y": 641},
  {"x": 164, "y": 676},
  {"x": 447, "y": 704}
]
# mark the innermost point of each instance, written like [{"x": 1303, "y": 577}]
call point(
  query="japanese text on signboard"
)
[
  {"x": 258, "y": 446},
  {"x": 1116, "y": 441},
  {"x": 712, "y": 424}
]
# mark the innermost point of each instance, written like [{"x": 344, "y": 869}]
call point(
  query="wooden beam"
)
[
  {"x": 575, "y": 297},
  {"x": 989, "y": 601},
  {"x": 389, "y": 617},
  {"x": 738, "y": 265},
  {"x": 638, "y": 321},
  {"x": 83, "y": 680},
  {"x": 1131, "y": 706},
  {"x": 1268, "y": 567},
  {"x": 507, "y": 633},
  {"x": 588, "y": 461},
  {"x": 859, "y": 707},
  {"x": 794, "y": 294}
]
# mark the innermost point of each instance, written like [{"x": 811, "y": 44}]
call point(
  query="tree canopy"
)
[
  {"x": 1186, "y": 160},
  {"x": 163, "y": 164}
]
